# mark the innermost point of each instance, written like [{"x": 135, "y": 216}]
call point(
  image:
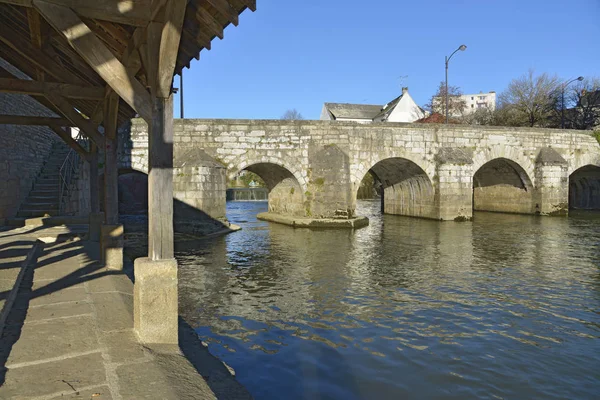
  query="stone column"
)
[
  {"x": 551, "y": 195},
  {"x": 155, "y": 290},
  {"x": 454, "y": 192},
  {"x": 112, "y": 232},
  {"x": 96, "y": 217}
]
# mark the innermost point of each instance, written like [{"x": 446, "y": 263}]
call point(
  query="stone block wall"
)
[
  {"x": 23, "y": 151},
  {"x": 79, "y": 201},
  {"x": 430, "y": 168}
]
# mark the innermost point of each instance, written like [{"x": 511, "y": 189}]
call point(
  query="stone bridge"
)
[{"x": 313, "y": 169}]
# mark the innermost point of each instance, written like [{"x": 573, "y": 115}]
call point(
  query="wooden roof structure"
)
[{"x": 77, "y": 52}]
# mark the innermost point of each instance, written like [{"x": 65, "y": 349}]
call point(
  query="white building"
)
[
  {"x": 402, "y": 109},
  {"x": 473, "y": 102},
  {"x": 481, "y": 100}
]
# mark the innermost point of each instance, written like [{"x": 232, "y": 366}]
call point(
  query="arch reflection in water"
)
[{"x": 403, "y": 308}]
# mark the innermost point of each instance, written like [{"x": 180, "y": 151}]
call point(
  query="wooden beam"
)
[
  {"x": 128, "y": 12},
  {"x": 40, "y": 99},
  {"x": 22, "y": 86},
  {"x": 35, "y": 56},
  {"x": 27, "y": 120},
  {"x": 35, "y": 31},
  {"x": 98, "y": 56},
  {"x": 86, "y": 125},
  {"x": 210, "y": 22},
  {"x": 163, "y": 46},
  {"x": 225, "y": 9},
  {"x": 251, "y": 4},
  {"x": 72, "y": 143}
]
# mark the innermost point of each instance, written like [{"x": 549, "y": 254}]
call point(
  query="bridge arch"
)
[
  {"x": 407, "y": 189},
  {"x": 584, "y": 188},
  {"x": 286, "y": 195},
  {"x": 503, "y": 185}
]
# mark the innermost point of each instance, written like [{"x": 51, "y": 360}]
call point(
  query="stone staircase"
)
[{"x": 43, "y": 198}]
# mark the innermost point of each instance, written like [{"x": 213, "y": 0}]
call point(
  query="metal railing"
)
[{"x": 68, "y": 169}]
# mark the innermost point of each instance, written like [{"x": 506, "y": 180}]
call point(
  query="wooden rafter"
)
[
  {"x": 225, "y": 9},
  {"x": 22, "y": 86},
  {"x": 35, "y": 31},
  {"x": 78, "y": 120},
  {"x": 205, "y": 17},
  {"x": 129, "y": 12},
  {"x": 97, "y": 55}
]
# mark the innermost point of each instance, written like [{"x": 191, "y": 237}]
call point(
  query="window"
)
[
  {"x": 472, "y": 98},
  {"x": 472, "y": 105},
  {"x": 481, "y": 97}
]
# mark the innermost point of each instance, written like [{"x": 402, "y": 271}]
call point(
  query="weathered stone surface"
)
[
  {"x": 54, "y": 377},
  {"x": 114, "y": 311},
  {"x": 155, "y": 300},
  {"x": 430, "y": 168},
  {"x": 95, "y": 231},
  {"x": 66, "y": 335}
]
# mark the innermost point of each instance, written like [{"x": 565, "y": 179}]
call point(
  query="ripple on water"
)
[{"x": 504, "y": 307}]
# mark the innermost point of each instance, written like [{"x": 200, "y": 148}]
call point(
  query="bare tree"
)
[
  {"x": 292, "y": 115},
  {"x": 528, "y": 100},
  {"x": 582, "y": 104},
  {"x": 456, "y": 104}
]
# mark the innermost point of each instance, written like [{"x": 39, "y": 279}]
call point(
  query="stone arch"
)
[
  {"x": 407, "y": 187},
  {"x": 584, "y": 188},
  {"x": 579, "y": 161},
  {"x": 285, "y": 192},
  {"x": 291, "y": 164},
  {"x": 512, "y": 153},
  {"x": 133, "y": 191},
  {"x": 364, "y": 165},
  {"x": 503, "y": 185}
]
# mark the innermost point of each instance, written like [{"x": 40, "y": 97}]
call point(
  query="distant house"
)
[
  {"x": 472, "y": 102},
  {"x": 402, "y": 109}
]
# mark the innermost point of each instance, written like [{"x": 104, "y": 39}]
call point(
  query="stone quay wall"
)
[
  {"x": 314, "y": 168},
  {"x": 23, "y": 151}
]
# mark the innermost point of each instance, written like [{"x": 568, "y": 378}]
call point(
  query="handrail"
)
[{"x": 68, "y": 169}]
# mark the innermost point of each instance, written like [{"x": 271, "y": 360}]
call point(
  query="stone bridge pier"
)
[{"x": 313, "y": 169}]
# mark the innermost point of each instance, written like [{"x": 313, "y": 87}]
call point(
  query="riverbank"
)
[{"x": 69, "y": 329}]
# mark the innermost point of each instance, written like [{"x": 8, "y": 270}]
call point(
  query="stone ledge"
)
[{"x": 315, "y": 223}]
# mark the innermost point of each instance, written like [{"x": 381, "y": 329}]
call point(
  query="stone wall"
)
[
  {"x": 433, "y": 176},
  {"x": 79, "y": 201},
  {"x": 23, "y": 149},
  {"x": 502, "y": 186},
  {"x": 584, "y": 189}
]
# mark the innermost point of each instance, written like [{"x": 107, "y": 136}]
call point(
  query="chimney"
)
[{"x": 404, "y": 90}]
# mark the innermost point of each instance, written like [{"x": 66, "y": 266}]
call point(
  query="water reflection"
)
[{"x": 506, "y": 306}]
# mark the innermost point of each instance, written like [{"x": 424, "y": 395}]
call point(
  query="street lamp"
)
[
  {"x": 562, "y": 100},
  {"x": 461, "y": 48}
]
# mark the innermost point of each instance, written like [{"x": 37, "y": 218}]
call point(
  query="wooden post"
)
[
  {"x": 94, "y": 185},
  {"x": 111, "y": 175},
  {"x": 160, "y": 181},
  {"x": 96, "y": 217}
]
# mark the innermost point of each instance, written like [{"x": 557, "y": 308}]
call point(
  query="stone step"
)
[
  {"x": 36, "y": 214},
  {"x": 42, "y": 186},
  {"x": 47, "y": 181},
  {"x": 44, "y": 193},
  {"x": 43, "y": 199},
  {"x": 28, "y": 206}
]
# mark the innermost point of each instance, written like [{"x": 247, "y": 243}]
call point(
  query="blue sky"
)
[{"x": 301, "y": 54}]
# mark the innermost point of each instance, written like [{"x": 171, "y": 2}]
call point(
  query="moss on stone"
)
[
  {"x": 319, "y": 181},
  {"x": 292, "y": 190}
]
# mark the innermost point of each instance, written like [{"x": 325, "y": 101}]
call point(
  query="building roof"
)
[
  {"x": 353, "y": 111},
  {"x": 386, "y": 109},
  {"x": 23, "y": 32}
]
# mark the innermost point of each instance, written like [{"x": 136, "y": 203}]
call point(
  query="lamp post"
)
[
  {"x": 461, "y": 48},
  {"x": 562, "y": 100}
]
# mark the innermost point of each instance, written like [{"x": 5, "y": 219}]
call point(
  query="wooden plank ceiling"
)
[{"x": 28, "y": 42}]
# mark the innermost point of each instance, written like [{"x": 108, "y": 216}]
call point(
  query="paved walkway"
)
[{"x": 69, "y": 333}]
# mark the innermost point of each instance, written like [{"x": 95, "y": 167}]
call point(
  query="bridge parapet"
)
[{"x": 314, "y": 168}]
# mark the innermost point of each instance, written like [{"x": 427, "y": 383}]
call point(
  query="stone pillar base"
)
[
  {"x": 111, "y": 245},
  {"x": 95, "y": 226},
  {"x": 155, "y": 309}
]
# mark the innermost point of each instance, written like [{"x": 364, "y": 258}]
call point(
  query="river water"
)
[{"x": 504, "y": 307}]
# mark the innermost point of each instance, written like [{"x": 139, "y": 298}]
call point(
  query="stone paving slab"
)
[
  {"x": 54, "y": 377},
  {"x": 70, "y": 336},
  {"x": 62, "y": 336}
]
